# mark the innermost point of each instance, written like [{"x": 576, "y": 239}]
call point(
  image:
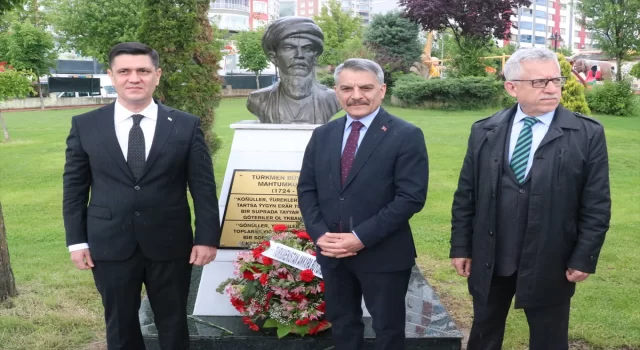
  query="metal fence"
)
[{"x": 248, "y": 81}]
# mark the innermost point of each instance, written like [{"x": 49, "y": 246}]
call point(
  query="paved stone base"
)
[{"x": 428, "y": 327}]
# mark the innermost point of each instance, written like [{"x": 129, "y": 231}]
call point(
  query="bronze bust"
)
[{"x": 294, "y": 44}]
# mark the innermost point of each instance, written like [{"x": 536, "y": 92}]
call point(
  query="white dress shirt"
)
[
  {"x": 539, "y": 130},
  {"x": 366, "y": 121},
  {"x": 123, "y": 123}
]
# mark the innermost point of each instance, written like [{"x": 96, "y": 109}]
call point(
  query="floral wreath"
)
[{"x": 279, "y": 295}]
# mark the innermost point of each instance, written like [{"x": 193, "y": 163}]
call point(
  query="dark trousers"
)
[
  {"x": 548, "y": 326},
  {"x": 167, "y": 286},
  {"x": 384, "y": 295}
]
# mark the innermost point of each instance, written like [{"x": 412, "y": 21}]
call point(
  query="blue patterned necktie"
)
[
  {"x": 136, "y": 149},
  {"x": 520, "y": 157}
]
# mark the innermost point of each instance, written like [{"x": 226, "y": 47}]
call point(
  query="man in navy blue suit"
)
[{"x": 363, "y": 177}]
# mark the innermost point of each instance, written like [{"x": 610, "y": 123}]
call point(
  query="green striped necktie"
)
[{"x": 520, "y": 156}]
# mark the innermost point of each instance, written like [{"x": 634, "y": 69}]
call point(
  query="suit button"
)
[
  {"x": 137, "y": 213},
  {"x": 341, "y": 198},
  {"x": 137, "y": 188},
  {"x": 521, "y": 190},
  {"x": 490, "y": 233},
  {"x": 488, "y": 265}
]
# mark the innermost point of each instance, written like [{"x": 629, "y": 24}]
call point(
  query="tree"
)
[
  {"x": 472, "y": 22},
  {"x": 635, "y": 71},
  {"x": 93, "y": 27},
  {"x": 13, "y": 84},
  {"x": 8, "y": 5},
  {"x": 573, "y": 92},
  {"x": 398, "y": 35},
  {"x": 338, "y": 27},
  {"x": 251, "y": 54},
  {"x": 7, "y": 282},
  {"x": 30, "y": 48},
  {"x": 615, "y": 25},
  {"x": 183, "y": 36}
]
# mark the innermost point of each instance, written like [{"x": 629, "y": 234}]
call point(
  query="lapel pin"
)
[
  {"x": 384, "y": 128},
  {"x": 170, "y": 119}
]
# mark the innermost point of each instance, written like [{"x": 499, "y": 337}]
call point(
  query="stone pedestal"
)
[{"x": 215, "y": 324}]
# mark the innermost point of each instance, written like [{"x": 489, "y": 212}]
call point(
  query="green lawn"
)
[{"x": 59, "y": 308}]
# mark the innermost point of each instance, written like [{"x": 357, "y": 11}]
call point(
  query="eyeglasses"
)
[{"x": 542, "y": 83}]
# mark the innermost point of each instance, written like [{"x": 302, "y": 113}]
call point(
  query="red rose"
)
[
  {"x": 237, "y": 304},
  {"x": 296, "y": 297},
  {"x": 282, "y": 275},
  {"x": 317, "y": 328},
  {"x": 267, "y": 261},
  {"x": 254, "y": 327},
  {"x": 267, "y": 300},
  {"x": 248, "y": 275},
  {"x": 306, "y": 275},
  {"x": 303, "y": 235},
  {"x": 322, "y": 307},
  {"x": 280, "y": 227},
  {"x": 258, "y": 251},
  {"x": 303, "y": 322},
  {"x": 263, "y": 279},
  {"x": 322, "y": 286}
]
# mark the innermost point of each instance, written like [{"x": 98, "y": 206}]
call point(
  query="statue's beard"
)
[{"x": 297, "y": 87}]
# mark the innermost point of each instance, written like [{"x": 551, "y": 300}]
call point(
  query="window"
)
[
  {"x": 525, "y": 25},
  {"x": 540, "y": 40},
  {"x": 525, "y": 38},
  {"x": 563, "y": 18},
  {"x": 303, "y": 12},
  {"x": 539, "y": 27},
  {"x": 526, "y": 12},
  {"x": 576, "y": 45},
  {"x": 550, "y": 29},
  {"x": 303, "y": 5},
  {"x": 541, "y": 2},
  {"x": 563, "y": 31},
  {"x": 550, "y": 16},
  {"x": 577, "y": 33},
  {"x": 541, "y": 14},
  {"x": 514, "y": 37}
]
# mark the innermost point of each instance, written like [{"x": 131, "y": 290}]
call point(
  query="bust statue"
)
[{"x": 293, "y": 44}]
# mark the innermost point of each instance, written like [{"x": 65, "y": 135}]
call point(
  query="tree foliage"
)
[
  {"x": 183, "y": 36},
  {"x": 8, "y": 5},
  {"x": 397, "y": 35},
  {"x": 29, "y": 48},
  {"x": 615, "y": 25},
  {"x": 93, "y": 27},
  {"x": 635, "y": 70},
  {"x": 251, "y": 54},
  {"x": 573, "y": 97},
  {"x": 465, "y": 18},
  {"x": 13, "y": 84},
  {"x": 338, "y": 27}
]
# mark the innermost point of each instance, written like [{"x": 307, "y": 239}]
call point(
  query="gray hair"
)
[
  {"x": 512, "y": 67},
  {"x": 362, "y": 65}
]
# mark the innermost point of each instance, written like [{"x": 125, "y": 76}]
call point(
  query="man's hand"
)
[
  {"x": 82, "y": 259},
  {"x": 576, "y": 276},
  {"x": 462, "y": 265},
  {"x": 339, "y": 245},
  {"x": 202, "y": 255}
]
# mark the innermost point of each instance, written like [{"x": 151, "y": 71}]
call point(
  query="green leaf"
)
[
  {"x": 270, "y": 323},
  {"x": 250, "y": 289},
  {"x": 283, "y": 330}
]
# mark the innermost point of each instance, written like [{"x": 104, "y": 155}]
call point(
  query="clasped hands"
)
[{"x": 339, "y": 245}]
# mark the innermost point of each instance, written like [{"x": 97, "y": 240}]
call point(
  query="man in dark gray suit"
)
[
  {"x": 363, "y": 177},
  {"x": 532, "y": 206},
  {"x": 126, "y": 214}
]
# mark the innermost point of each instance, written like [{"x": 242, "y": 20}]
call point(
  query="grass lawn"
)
[{"x": 59, "y": 308}]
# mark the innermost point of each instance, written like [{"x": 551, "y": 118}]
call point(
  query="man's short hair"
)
[
  {"x": 296, "y": 26},
  {"x": 512, "y": 66},
  {"x": 134, "y": 48}
]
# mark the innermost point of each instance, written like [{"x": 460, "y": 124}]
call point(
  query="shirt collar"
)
[
  {"x": 544, "y": 119},
  {"x": 366, "y": 120},
  {"x": 122, "y": 114}
]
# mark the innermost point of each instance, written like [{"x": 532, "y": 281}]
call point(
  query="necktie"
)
[
  {"x": 520, "y": 157},
  {"x": 349, "y": 152},
  {"x": 136, "y": 152}
]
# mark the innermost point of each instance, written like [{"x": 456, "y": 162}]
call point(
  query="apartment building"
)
[
  {"x": 361, "y": 8},
  {"x": 239, "y": 15},
  {"x": 549, "y": 23}
]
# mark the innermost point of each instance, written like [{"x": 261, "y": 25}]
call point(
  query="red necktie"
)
[{"x": 349, "y": 152}]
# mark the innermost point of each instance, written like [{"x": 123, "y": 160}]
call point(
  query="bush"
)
[
  {"x": 326, "y": 79},
  {"x": 614, "y": 98},
  {"x": 452, "y": 93},
  {"x": 635, "y": 70},
  {"x": 573, "y": 92}
]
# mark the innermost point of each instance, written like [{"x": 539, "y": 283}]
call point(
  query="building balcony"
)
[{"x": 229, "y": 6}]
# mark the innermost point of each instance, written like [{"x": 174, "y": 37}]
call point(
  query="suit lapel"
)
[
  {"x": 496, "y": 137},
  {"x": 377, "y": 130},
  {"x": 163, "y": 128},
  {"x": 106, "y": 126},
  {"x": 335, "y": 150},
  {"x": 563, "y": 119}
]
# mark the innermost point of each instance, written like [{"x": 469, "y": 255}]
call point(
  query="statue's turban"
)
[{"x": 292, "y": 26}]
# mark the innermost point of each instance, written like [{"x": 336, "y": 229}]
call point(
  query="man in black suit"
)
[
  {"x": 532, "y": 207},
  {"x": 126, "y": 214},
  {"x": 363, "y": 177}
]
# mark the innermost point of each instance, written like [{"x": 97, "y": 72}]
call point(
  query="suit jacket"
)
[
  {"x": 153, "y": 212},
  {"x": 569, "y": 206},
  {"x": 387, "y": 184},
  {"x": 264, "y": 104}
]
